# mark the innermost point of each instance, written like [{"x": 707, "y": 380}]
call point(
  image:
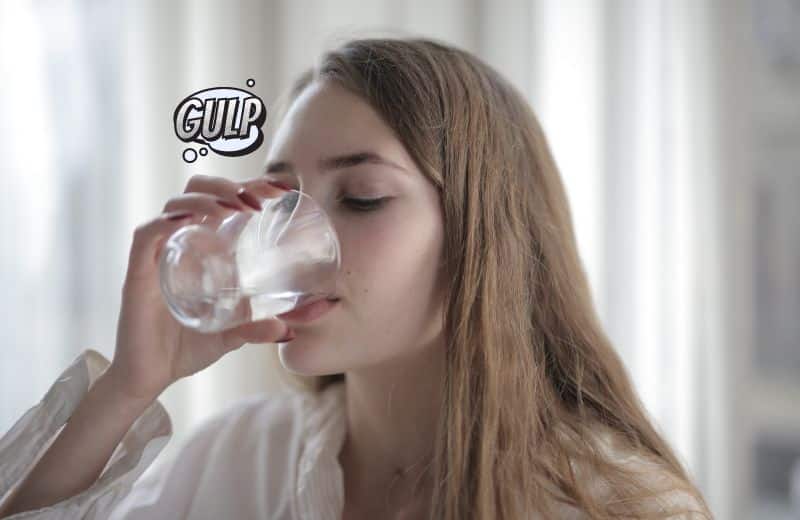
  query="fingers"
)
[
  {"x": 205, "y": 199},
  {"x": 245, "y": 194},
  {"x": 221, "y": 187},
  {"x": 271, "y": 330},
  {"x": 213, "y": 207},
  {"x": 265, "y": 187}
]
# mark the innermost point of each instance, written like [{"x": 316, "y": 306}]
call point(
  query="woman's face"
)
[{"x": 390, "y": 284}]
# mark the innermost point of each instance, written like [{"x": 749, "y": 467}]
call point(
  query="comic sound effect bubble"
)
[{"x": 227, "y": 120}]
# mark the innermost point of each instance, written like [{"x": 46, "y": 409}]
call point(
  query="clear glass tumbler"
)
[{"x": 255, "y": 265}]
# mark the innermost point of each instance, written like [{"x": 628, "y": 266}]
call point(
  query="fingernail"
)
[
  {"x": 179, "y": 216},
  {"x": 288, "y": 337},
  {"x": 279, "y": 184},
  {"x": 229, "y": 205},
  {"x": 249, "y": 199}
]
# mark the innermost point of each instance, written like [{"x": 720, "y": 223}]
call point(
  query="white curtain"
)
[{"x": 626, "y": 92}]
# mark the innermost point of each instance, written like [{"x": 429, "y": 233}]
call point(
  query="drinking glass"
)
[{"x": 254, "y": 265}]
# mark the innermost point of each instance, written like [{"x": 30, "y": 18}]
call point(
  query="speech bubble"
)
[{"x": 227, "y": 120}]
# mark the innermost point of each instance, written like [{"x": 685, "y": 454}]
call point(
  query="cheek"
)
[
  {"x": 389, "y": 278},
  {"x": 390, "y": 267}
]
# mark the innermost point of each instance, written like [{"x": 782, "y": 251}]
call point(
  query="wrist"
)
[{"x": 107, "y": 387}]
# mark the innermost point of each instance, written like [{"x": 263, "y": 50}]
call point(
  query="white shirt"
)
[
  {"x": 264, "y": 457},
  {"x": 269, "y": 456}
]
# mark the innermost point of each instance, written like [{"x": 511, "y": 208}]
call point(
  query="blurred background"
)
[{"x": 675, "y": 124}]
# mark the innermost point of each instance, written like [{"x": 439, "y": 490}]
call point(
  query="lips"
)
[{"x": 310, "y": 310}]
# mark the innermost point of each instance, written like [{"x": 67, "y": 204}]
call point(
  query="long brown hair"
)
[{"x": 538, "y": 408}]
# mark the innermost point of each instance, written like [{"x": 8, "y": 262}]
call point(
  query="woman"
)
[{"x": 462, "y": 372}]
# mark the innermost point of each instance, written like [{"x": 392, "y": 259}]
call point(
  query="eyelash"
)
[
  {"x": 354, "y": 204},
  {"x": 364, "y": 205}
]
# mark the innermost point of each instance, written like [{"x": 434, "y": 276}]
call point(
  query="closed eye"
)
[{"x": 364, "y": 204}]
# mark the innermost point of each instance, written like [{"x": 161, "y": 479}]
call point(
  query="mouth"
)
[
  {"x": 311, "y": 309},
  {"x": 307, "y": 300}
]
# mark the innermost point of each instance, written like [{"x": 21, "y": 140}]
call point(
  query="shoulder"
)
[
  {"x": 218, "y": 468},
  {"x": 258, "y": 430},
  {"x": 274, "y": 414},
  {"x": 280, "y": 416}
]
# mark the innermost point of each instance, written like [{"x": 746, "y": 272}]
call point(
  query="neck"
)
[{"x": 392, "y": 414}]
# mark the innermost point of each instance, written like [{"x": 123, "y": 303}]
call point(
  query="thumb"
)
[{"x": 271, "y": 330}]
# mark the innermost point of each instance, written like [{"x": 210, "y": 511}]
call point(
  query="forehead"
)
[{"x": 327, "y": 119}]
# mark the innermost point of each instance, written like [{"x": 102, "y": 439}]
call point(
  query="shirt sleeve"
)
[{"x": 33, "y": 433}]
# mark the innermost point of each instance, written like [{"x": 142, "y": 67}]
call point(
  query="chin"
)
[{"x": 305, "y": 358}]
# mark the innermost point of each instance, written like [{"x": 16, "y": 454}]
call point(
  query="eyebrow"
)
[{"x": 337, "y": 163}]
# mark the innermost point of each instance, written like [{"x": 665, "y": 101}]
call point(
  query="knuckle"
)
[
  {"x": 195, "y": 181},
  {"x": 171, "y": 202},
  {"x": 140, "y": 230}
]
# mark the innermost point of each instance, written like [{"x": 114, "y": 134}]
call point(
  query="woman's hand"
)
[{"x": 153, "y": 349}]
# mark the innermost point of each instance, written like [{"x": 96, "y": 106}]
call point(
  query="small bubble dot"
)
[
  {"x": 203, "y": 151},
  {"x": 189, "y": 155},
  {"x": 251, "y": 82}
]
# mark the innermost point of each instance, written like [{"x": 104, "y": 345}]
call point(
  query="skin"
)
[{"x": 386, "y": 332}]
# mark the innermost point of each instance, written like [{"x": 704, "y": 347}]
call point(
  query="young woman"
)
[{"x": 460, "y": 372}]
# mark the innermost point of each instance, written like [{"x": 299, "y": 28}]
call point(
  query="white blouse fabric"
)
[{"x": 264, "y": 457}]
